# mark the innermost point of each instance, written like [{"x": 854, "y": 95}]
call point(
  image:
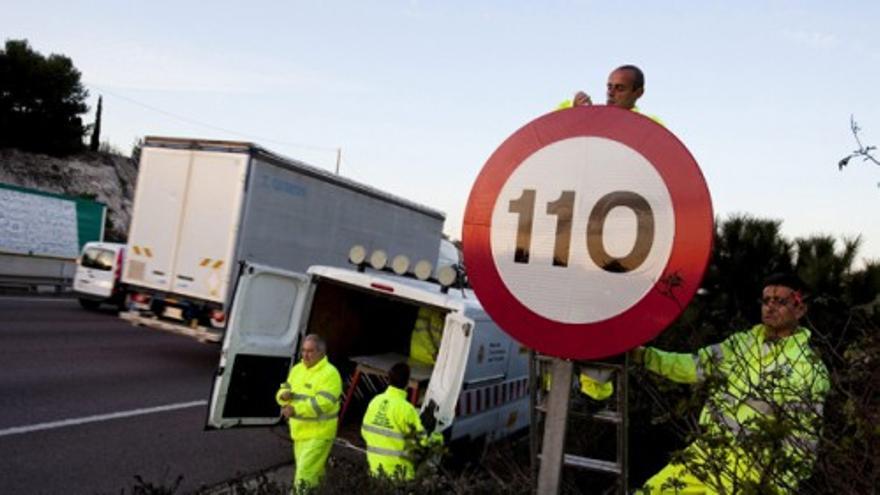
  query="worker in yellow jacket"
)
[
  {"x": 310, "y": 400},
  {"x": 761, "y": 421},
  {"x": 427, "y": 335},
  {"x": 626, "y": 84},
  {"x": 392, "y": 428}
]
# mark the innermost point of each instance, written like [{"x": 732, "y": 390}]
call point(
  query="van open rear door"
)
[
  {"x": 448, "y": 375},
  {"x": 258, "y": 347}
]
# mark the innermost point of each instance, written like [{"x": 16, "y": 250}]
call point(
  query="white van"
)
[
  {"x": 478, "y": 390},
  {"x": 98, "y": 271}
]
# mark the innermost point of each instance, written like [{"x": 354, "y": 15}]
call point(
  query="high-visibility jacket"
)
[
  {"x": 426, "y": 336},
  {"x": 596, "y": 383},
  {"x": 593, "y": 382},
  {"x": 570, "y": 104},
  {"x": 763, "y": 385},
  {"x": 391, "y": 428},
  {"x": 316, "y": 394}
]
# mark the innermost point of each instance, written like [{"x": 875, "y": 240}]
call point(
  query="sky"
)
[{"x": 417, "y": 94}]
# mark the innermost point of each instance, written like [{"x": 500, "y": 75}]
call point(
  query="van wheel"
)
[
  {"x": 123, "y": 303},
  {"x": 89, "y": 303}
]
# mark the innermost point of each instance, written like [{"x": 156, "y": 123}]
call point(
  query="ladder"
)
[{"x": 550, "y": 414}]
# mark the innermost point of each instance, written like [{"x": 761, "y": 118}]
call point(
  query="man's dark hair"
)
[
  {"x": 399, "y": 375},
  {"x": 638, "y": 75},
  {"x": 789, "y": 280}
]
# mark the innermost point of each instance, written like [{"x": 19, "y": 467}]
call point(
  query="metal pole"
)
[
  {"x": 553, "y": 445},
  {"x": 338, "y": 159}
]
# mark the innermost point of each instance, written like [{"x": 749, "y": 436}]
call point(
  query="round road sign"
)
[{"x": 587, "y": 232}]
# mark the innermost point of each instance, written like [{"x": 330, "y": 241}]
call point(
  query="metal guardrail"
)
[
  {"x": 35, "y": 274},
  {"x": 19, "y": 284}
]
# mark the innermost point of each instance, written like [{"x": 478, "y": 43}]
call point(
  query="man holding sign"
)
[
  {"x": 626, "y": 84},
  {"x": 761, "y": 420}
]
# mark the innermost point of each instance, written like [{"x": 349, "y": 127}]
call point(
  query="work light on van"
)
[
  {"x": 357, "y": 254},
  {"x": 446, "y": 275},
  {"x": 423, "y": 269},
  {"x": 378, "y": 259},
  {"x": 400, "y": 264}
]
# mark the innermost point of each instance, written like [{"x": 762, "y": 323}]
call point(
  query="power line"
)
[{"x": 211, "y": 126}]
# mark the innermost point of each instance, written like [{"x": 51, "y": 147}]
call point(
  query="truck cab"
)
[
  {"x": 97, "y": 276},
  {"x": 367, "y": 319}
]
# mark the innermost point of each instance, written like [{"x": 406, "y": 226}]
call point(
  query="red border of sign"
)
[{"x": 689, "y": 256}]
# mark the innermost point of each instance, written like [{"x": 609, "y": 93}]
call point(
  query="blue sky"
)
[{"x": 418, "y": 94}]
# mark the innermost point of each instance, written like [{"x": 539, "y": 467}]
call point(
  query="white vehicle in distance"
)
[{"x": 98, "y": 273}]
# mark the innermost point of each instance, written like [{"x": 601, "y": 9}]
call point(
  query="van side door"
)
[
  {"x": 448, "y": 374},
  {"x": 258, "y": 347}
]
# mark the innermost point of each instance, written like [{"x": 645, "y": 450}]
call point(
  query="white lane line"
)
[{"x": 18, "y": 430}]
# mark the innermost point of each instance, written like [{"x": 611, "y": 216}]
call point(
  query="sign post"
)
[{"x": 587, "y": 233}]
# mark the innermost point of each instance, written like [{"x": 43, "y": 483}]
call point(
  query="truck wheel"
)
[{"x": 89, "y": 304}]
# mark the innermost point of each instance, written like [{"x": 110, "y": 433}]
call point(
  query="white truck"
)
[
  {"x": 480, "y": 379},
  {"x": 203, "y": 208}
]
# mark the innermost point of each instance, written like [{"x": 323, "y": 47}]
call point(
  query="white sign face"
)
[
  {"x": 582, "y": 230},
  {"x": 38, "y": 225}
]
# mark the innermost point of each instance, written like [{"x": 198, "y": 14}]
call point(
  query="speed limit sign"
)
[{"x": 587, "y": 232}]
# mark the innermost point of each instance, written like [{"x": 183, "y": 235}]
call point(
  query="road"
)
[{"x": 88, "y": 402}]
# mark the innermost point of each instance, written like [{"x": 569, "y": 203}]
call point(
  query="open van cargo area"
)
[
  {"x": 477, "y": 390},
  {"x": 359, "y": 323}
]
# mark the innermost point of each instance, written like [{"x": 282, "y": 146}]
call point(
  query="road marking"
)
[{"x": 18, "y": 430}]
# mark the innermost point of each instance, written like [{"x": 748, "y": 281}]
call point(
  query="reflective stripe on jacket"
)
[
  {"x": 760, "y": 380},
  {"x": 316, "y": 394},
  {"x": 390, "y": 428}
]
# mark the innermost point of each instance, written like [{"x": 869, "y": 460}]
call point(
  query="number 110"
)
[{"x": 563, "y": 209}]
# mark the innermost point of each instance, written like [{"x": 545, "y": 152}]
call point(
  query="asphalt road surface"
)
[{"x": 88, "y": 402}]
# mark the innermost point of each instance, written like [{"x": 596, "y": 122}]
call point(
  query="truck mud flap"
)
[{"x": 200, "y": 333}]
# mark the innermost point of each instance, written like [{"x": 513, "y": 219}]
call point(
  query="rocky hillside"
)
[{"x": 107, "y": 178}]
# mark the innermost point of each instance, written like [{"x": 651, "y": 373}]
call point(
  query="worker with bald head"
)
[{"x": 626, "y": 84}]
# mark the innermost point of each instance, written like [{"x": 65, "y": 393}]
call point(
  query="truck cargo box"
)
[{"x": 203, "y": 207}]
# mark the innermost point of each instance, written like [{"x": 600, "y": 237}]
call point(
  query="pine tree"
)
[
  {"x": 95, "y": 141},
  {"x": 41, "y": 100}
]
